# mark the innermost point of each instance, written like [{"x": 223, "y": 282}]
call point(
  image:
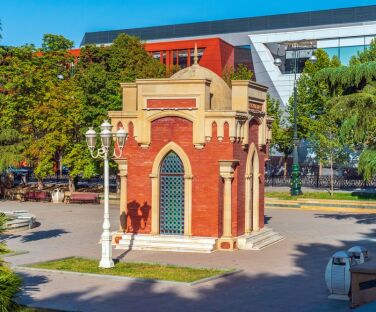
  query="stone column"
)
[
  {"x": 227, "y": 201},
  {"x": 154, "y": 204},
  {"x": 226, "y": 171},
  {"x": 123, "y": 173},
  {"x": 248, "y": 203}
]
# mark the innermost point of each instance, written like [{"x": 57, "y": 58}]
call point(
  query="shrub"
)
[{"x": 10, "y": 283}]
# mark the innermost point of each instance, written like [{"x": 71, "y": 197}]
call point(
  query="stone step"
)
[
  {"x": 167, "y": 238},
  {"x": 260, "y": 240},
  {"x": 276, "y": 238},
  {"x": 164, "y": 243},
  {"x": 167, "y": 243},
  {"x": 255, "y": 236}
]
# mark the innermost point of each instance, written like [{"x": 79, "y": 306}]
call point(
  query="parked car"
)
[{"x": 22, "y": 171}]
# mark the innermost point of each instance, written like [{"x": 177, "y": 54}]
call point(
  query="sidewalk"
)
[{"x": 274, "y": 279}]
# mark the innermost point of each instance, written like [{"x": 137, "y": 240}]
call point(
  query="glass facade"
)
[
  {"x": 292, "y": 54},
  {"x": 345, "y": 53},
  {"x": 344, "y": 48},
  {"x": 182, "y": 58},
  {"x": 243, "y": 55}
]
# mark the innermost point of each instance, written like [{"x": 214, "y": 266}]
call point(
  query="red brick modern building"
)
[
  {"x": 192, "y": 170},
  {"x": 214, "y": 53}
]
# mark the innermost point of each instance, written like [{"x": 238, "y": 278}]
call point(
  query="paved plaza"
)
[{"x": 288, "y": 276}]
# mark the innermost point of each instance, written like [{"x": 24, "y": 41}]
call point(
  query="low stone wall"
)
[{"x": 19, "y": 221}]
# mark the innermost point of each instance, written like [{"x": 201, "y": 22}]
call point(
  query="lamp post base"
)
[
  {"x": 296, "y": 182},
  {"x": 106, "y": 264},
  {"x": 106, "y": 259}
]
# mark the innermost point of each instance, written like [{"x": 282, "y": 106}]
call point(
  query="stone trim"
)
[
  {"x": 252, "y": 206},
  {"x": 123, "y": 173},
  {"x": 226, "y": 171}
]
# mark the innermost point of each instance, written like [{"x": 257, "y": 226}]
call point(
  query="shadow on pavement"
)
[
  {"x": 40, "y": 235},
  {"x": 359, "y": 218},
  {"x": 303, "y": 290}
]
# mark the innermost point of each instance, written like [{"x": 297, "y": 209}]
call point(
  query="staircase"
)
[
  {"x": 259, "y": 240},
  {"x": 167, "y": 243}
]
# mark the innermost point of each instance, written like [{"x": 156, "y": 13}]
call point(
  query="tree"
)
[
  {"x": 101, "y": 70},
  {"x": 327, "y": 144},
  {"x": 12, "y": 103},
  {"x": 48, "y": 107},
  {"x": 281, "y": 133},
  {"x": 241, "y": 72},
  {"x": 56, "y": 43},
  {"x": 355, "y": 108},
  {"x": 313, "y": 103}
]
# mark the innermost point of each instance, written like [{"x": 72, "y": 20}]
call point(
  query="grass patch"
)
[
  {"x": 26, "y": 309},
  {"x": 132, "y": 269},
  {"x": 323, "y": 195}
]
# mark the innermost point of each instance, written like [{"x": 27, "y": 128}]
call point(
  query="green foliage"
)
[
  {"x": 241, "y": 72},
  {"x": 10, "y": 283},
  {"x": 354, "y": 109},
  {"x": 323, "y": 195},
  {"x": 368, "y": 55},
  {"x": 313, "y": 95},
  {"x": 56, "y": 43},
  {"x": 101, "y": 70},
  {"x": 281, "y": 133},
  {"x": 46, "y": 106}
]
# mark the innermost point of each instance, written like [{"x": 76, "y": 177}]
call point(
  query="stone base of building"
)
[
  {"x": 253, "y": 241},
  {"x": 227, "y": 244},
  {"x": 173, "y": 243},
  {"x": 259, "y": 240}
]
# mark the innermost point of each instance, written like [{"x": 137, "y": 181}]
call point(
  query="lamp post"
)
[
  {"x": 296, "y": 183},
  {"x": 103, "y": 152}
]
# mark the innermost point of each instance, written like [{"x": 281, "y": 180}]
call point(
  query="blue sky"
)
[{"x": 25, "y": 21}]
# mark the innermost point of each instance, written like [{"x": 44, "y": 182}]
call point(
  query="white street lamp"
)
[
  {"x": 106, "y": 137},
  {"x": 313, "y": 59},
  {"x": 277, "y": 62}
]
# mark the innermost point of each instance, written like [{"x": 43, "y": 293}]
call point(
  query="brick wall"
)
[{"x": 207, "y": 186}]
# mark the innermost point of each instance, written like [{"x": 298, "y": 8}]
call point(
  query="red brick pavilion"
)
[{"x": 192, "y": 169}]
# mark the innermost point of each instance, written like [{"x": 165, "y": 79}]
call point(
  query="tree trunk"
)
[
  {"x": 40, "y": 184},
  {"x": 61, "y": 163},
  {"x": 320, "y": 168},
  {"x": 72, "y": 184},
  {"x": 331, "y": 176}
]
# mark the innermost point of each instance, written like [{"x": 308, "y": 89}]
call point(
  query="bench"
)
[
  {"x": 83, "y": 198},
  {"x": 363, "y": 283},
  {"x": 37, "y": 196}
]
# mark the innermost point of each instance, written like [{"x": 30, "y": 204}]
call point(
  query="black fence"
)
[{"x": 324, "y": 182}]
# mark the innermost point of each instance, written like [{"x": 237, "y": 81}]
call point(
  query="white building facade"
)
[{"x": 259, "y": 40}]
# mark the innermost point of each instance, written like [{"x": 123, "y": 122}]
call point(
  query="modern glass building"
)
[{"x": 257, "y": 41}]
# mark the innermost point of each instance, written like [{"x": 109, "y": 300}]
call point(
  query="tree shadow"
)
[
  {"x": 300, "y": 288},
  {"x": 40, "y": 235},
  {"x": 359, "y": 218}
]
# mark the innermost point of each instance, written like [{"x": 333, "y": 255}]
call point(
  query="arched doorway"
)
[
  {"x": 171, "y": 195},
  {"x": 171, "y": 147},
  {"x": 252, "y": 191}
]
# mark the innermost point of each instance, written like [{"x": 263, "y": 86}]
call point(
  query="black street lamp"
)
[{"x": 296, "y": 182}]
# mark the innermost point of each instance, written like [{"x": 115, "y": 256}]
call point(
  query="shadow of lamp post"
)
[
  {"x": 103, "y": 152},
  {"x": 296, "y": 183}
]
